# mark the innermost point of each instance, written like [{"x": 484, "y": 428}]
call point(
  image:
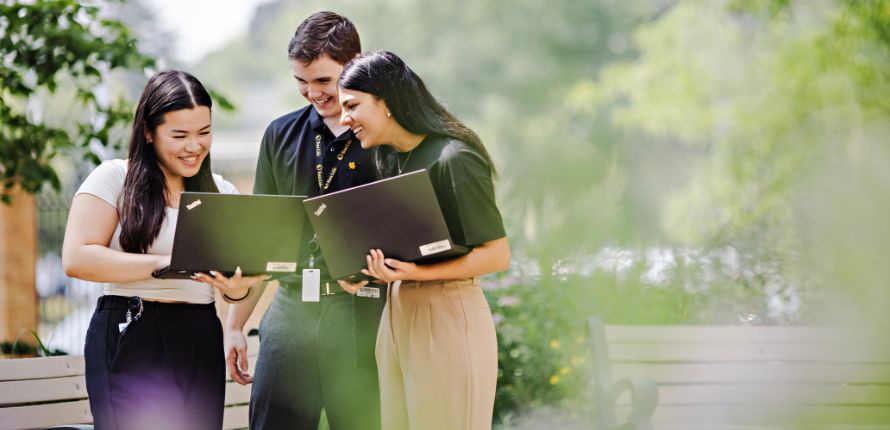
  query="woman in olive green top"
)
[{"x": 436, "y": 347}]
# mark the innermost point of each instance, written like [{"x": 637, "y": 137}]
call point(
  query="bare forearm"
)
[
  {"x": 490, "y": 257},
  {"x": 240, "y": 312},
  {"x": 98, "y": 263}
]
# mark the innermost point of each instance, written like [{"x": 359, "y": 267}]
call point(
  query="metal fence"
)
[{"x": 65, "y": 304}]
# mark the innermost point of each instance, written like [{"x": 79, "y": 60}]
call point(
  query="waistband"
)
[
  {"x": 121, "y": 302},
  {"x": 329, "y": 287},
  {"x": 466, "y": 282}
]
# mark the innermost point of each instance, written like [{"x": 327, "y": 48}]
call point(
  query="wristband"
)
[{"x": 231, "y": 300}]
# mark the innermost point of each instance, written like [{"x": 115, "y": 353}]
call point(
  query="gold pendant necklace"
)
[{"x": 401, "y": 166}]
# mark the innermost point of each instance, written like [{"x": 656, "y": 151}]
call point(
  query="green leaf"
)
[{"x": 221, "y": 100}]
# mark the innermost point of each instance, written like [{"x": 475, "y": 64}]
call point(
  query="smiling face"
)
[
  {"x": 182, "y": 142},
  {"x": 366, "y": 116},
  {"x": 318, "y": 84}
]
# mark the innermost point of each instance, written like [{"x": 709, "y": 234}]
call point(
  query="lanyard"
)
[{"x": 319, "y": 166}]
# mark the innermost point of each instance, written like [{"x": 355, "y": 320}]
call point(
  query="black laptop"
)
[
  {"x": 399, "y": 215},
  {"x": 260, "y": 233}
]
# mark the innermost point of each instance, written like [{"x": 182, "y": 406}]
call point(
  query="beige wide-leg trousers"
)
[{"x": 437, "y": 357}]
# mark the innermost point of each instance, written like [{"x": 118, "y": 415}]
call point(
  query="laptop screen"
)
[
  {"x": 259, "y": 233},
  {"x": 399, "y": 215}
]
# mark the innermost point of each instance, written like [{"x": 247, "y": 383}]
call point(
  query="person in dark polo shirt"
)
[{"x": 315, "y": 353}]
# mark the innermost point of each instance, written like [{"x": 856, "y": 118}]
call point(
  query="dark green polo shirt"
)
[
  {"x": 287, "y": 166},
  {"x": 462, "y": 181}
]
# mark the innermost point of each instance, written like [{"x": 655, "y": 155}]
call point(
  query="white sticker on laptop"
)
[
  {"x": 370, "y": 292},
  {"x": 193, "y": 204},
  {"x": 435, "y": 247},
  {"x": 321, "y": 208},
  {"x": 278, "y": 266}
]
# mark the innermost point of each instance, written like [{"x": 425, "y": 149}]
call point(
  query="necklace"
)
[
  {"x": 399, "y": 164},
  {"x": 324, "y": 185}
]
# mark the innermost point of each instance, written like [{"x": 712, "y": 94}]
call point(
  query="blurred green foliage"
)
[
  {"x": 766, "y": 89},
  {"x": 45, "y": 43}
]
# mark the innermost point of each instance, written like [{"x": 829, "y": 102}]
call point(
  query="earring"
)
[{"x": 388, "y": 114}]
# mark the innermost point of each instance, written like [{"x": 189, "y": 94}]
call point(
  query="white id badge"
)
[{"x": 311, "y": 285}]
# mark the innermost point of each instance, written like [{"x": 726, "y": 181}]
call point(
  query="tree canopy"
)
[{"x": 48, "y": 45}]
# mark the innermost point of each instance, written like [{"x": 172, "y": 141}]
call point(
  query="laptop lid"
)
[
  {"x": 260, "y": 233},
  {"x": 399, "y": 215}
]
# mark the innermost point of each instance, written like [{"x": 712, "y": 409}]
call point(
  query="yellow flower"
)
[
  {"x": 554, "y": 344},
  {"x": 352, "y": 165},
  {"x": 577, "y": 360},
  {"x": 564, "y": 370},
  {"x": 554, "y": 379}
]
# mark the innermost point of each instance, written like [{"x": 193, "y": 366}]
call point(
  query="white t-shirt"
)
[{"x": 107, "y": 183}]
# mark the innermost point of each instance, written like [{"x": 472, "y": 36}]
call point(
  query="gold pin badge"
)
[{"x": 352, "y": 165}]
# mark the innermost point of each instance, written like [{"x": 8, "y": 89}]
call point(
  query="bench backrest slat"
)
[
  {"x": 41, "y": 368},
  {"x": 765, "y": 372},
  {"x": 45, "y": 415},
  {"x": 749, "y": 351},
  {"x": 773, "y": 394},
  {"x": 235, "y": 417},
  {"x": 734, "y": 334},
  {"x": 770, "y": 416},
  {"x": 43, "y": 390}
]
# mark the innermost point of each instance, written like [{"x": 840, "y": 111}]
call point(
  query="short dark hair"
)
[{"x": 325, "y": 33}]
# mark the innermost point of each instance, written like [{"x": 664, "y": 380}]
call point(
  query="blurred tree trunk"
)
[{"x": 18, "y": 257}]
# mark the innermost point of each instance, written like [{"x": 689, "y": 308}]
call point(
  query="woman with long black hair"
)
[
  {"x": 436, "y": 347},
  {"x": 154, "y": 348}
]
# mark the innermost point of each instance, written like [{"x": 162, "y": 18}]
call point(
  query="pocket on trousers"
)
[{"x": 121, "y": 341}]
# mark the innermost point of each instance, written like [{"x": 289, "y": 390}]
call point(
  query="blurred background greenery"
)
[{"x": 662, "y": 162}]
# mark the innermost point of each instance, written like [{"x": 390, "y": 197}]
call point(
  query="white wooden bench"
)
[
  {"x": 728, "y": 377},
  {"x": 51, "y": 391}
]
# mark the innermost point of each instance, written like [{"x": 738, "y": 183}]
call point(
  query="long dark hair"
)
[
  {"x": 143, "y": 201},
  {"x": 385, "y": 76}
]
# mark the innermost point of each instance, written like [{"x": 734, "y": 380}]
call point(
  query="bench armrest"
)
[{"x": 644, "y": 398}]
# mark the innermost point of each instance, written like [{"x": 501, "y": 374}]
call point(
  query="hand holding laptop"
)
[
  {"x": 351, "y": 287},
  {"x": 383, "y": 270},
  {"x": 233, "y": 289},
  {"x": 388, "y": 269}
]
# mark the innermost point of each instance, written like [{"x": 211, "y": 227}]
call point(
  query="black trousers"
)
[
  {"x": 165, "y": 371},
  {"x": 314, "y": 356}
]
